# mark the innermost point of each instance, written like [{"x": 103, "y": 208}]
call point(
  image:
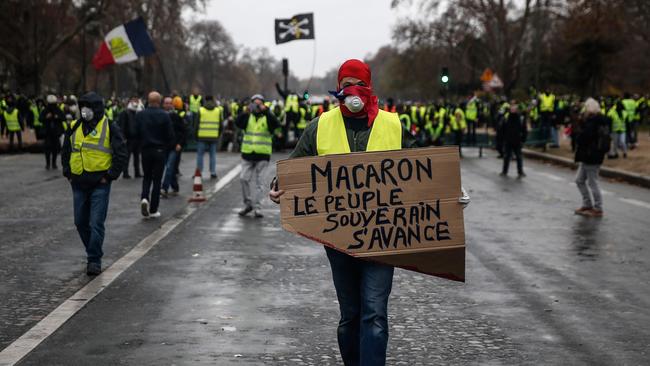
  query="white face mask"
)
[
  {"x": 353, "y": 103},
  {"x": 132, "y": 106},
  {"x": 87, "y": 114}
]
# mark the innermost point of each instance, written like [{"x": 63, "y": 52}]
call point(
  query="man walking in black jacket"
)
[
  {"x": 94, "y": 154},
  {"x": 156, "y": 135},
  {"x": 52, "y": 119},
  {"x": 515, "y": 132},
  {"x": 126, "y": 121}
]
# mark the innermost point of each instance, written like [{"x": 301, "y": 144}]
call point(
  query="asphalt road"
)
[{"x": 544, "y": 286}]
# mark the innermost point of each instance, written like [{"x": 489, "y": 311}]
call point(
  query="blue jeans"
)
[
  {"x": 90, "y": 208},
  {"x": 170, "y": 178},
  {"x": 362, "y": 288},
  {"x": 200, "y": 149}
]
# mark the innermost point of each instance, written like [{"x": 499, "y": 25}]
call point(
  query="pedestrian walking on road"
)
[
  {"x": 362, "y": 287},
  {"x": 514, "y": 135},
  {"x": 258, "y": 124},
  {"x": 156, "y": 135},
  {"x": 13, "y": 122},
  {"x": 207, "y": 134},
  {"x": 127, "y": 123},
  {"x": 593, "y": 139},
  {"x": 94, "y": 154},
  {"x": 173, "y": 107},
  {"x": 52, "y": 118}
]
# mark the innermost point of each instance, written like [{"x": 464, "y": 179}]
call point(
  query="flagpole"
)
[
  {"x": 164, "y": 75},
  {"x": 313, "y": 66}
]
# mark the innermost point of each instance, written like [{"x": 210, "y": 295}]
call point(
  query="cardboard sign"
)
[{"x": 395, "y": 207}]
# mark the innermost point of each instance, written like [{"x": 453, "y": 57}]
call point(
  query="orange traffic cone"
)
[{"x": 197, "y": 190}]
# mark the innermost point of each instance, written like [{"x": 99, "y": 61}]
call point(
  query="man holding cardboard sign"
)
[{"x": 359, "y": 206}]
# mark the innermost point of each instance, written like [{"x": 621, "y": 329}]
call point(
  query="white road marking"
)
[
  {"x": 550, "y": 176},
  {"x": 636, "y": 202},
  {"x": 22, "y": 346}
]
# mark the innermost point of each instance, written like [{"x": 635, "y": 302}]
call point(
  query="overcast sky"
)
[{"x": 344, "y": 29}]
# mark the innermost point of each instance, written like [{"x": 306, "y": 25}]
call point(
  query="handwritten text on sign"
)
[{"x": 375, "y": 202}]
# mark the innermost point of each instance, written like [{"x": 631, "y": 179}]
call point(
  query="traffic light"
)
[
  {"x": 444, "y": 75},
  {"x": 305, "y": 95},
  {"x": 285, "y": 67}
]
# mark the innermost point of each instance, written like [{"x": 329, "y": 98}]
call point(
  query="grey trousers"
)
[
  {"x": 252, "y": 186},
  {"x": 587, "y": 180}
]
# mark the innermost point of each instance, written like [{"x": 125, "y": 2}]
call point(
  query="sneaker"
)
[
  {"x": 144, "y": 207},
  {"x": 163, "y": 193},
  {"x": 213, "y": 176},
  {"x": 257, "y": 214},
  {"x": 154, "y": 215},
  {"x": 521, "y": 175},
  {"x": 244, "y": 211},
  {"x": 502, "y": 174},
  {"x": 582, "y": 210},
  {"x": 595, "y": 213},
  {"x": 93, "y": 269}
]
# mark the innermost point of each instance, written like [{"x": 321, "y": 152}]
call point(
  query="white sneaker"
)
[
  {"x": 144, "y": 207},
  {"x": 154, "y": 215}
]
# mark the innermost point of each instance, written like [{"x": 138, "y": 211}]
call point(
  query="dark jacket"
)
[
  {"x": 587, "y": 150},
  {"x": 180, "y": 129},
  {"x": 358, "y": 133},
  {"x": 52, "y": 119},
  {"x": 514, "y": 130},
  {"x": 242, "y": 122},
  {"x": 126, "y": 121},
  {"x": 154, "y": 129},
  {"x": 91, "y": 179}
]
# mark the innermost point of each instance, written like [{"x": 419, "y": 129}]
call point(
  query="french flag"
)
[{"x": 124, "y": 44}]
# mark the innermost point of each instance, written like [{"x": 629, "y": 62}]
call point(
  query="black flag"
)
[{"x": 299, "y": 26}]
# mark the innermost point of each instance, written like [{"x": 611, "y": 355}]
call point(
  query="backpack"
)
[{"x": 604, "y": 138}]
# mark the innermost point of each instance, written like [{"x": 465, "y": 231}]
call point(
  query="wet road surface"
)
[{"x": 544, "y": 286}]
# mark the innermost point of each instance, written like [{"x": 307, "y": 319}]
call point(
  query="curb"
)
[{"x": 629, "y": 177}]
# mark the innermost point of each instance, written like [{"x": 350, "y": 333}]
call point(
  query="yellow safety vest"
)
[
  {"x": 291, "y": 104},
  {"x": 331, "y": 137},
  {"x": 11, "y": 119},
  {"x": 209, "y": 123},
  {"x": 302, "y": 123},
  {"x": 547, "y": 102},
  {"x": 471, "y": 112},
  {"x": 91, "y": 153},
  {"x": 257, "y": 138},
  {"x": 195, "y": 103}
]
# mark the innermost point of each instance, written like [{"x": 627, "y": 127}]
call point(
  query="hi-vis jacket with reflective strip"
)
[
  {"x": 11, "y": 119},
  {"x": 209, "y": 123},
  {"x": 90, "y": 153},
  {"x": 195, "y": 103},
  {"x": 257, "y": 138},
  {"x": 331, "y": 136}
]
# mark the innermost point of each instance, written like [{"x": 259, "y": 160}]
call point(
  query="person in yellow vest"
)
[
  {"x": 458, "y": 125},
  {"x": 362, "y": 287},
  {"x": 471, "y": 115},
  {"x": 547, "y": 105},
  {"x": 207, "y": 134},
  {"x": 616, "y": 116},
  {"x": 94, "y": 154},
  {"x": 13, "y": 122},
  {"x": 258, "y": 125},
  {"x": 195, "y": 101},
  {"x": 302, "y": 121}
]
